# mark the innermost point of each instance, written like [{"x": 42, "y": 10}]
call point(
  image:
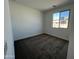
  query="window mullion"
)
[{"x": 59, "y": 18}]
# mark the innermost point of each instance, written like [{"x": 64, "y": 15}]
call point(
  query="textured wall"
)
[{"x": 62, "y": 33}]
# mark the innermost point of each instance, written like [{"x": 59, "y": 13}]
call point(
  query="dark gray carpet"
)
[{"x": 41, "y": 47}]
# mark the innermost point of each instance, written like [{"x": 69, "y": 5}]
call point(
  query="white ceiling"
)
[{"x": 43, "y": 4}]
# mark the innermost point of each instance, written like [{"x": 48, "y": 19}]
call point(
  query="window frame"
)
[{"x": 60, "y": 17}]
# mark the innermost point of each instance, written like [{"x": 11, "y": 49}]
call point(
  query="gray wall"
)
[
  {"x": 62, "y": 33},
  {"x": 8, "y": 37},
  {"x": 26, "y": 21},
  {"x": 70, "y": 54}
]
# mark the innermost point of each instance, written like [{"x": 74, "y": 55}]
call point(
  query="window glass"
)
[
  {"x": 56, "y": 20},
  {"x": 60, "y": 19},
  {"x": 64, "y": 16}
]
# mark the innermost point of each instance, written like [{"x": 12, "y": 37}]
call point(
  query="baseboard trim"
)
[
  {"x": 40, "y": 34},
  {"x": 28, "y": 37}
]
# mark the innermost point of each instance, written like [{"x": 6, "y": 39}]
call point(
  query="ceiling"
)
[{"x": 43, "y": 4}]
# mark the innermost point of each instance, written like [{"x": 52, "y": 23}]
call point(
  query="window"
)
[{"x": 60, "y": 19}]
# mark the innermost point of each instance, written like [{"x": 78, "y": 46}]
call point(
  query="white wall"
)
[
  {"x": 26, "y": 21},
  {"x": 8, "y": 37},
  {"x": 62, "y": 33}
]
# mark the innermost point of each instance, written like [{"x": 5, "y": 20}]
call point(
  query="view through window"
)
[{"x": 60, "y": 19}]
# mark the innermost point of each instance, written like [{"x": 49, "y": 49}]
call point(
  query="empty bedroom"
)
[{"x": 42, "y": 29}]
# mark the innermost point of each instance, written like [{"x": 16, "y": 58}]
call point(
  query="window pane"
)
[
  {"x": 56, "y": 20},
  {"x": 64, "y": 16}
]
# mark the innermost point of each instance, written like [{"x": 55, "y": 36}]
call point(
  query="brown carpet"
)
[{"x": 41, "y": 47}]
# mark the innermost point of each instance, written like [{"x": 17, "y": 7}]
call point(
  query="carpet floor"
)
[{"x": 42, "y": 46}]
